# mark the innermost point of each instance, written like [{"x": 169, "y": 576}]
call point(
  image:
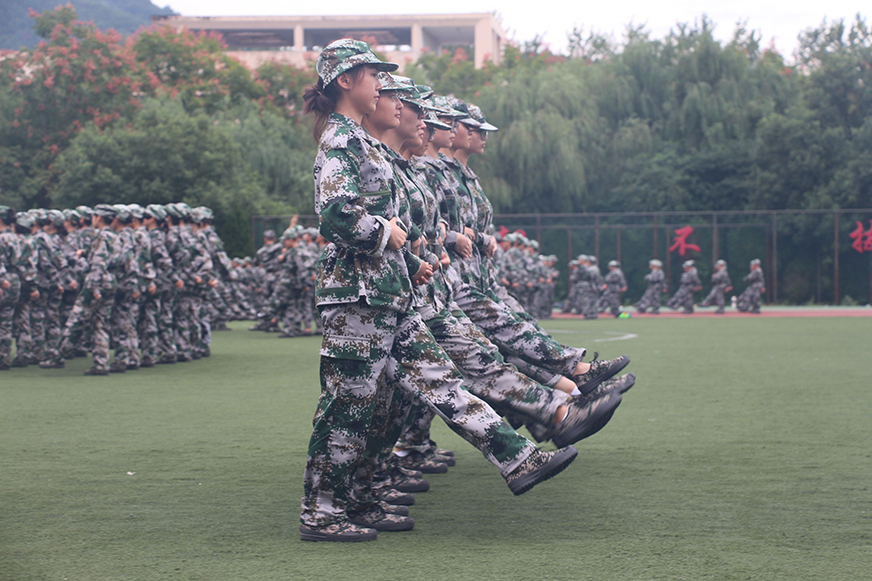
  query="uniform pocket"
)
[{"x": 345, "y": 347}]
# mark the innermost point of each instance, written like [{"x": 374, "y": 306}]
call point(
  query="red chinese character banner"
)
[
  {"x": 862, "y": 238},
  {"x": 680, "y": 241}
]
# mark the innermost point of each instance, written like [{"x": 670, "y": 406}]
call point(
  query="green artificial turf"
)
[{"x": 743, "y": 452}]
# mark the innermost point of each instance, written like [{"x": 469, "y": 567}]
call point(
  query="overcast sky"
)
[{"x": 778, "y": 21}]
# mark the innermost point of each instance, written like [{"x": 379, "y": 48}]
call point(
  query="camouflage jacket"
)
[
  {"x": 355, "y": 197},
  {"x": 721, "y": 279},
  {"x": 616, "y": 281},
  {"x": 755, "y": 279},
  {"x": 690, "y": 279},
  {"x": 164, "y": 270},
  {"x": 101, "y": 262},
  {"x": 656, "y": 279}
]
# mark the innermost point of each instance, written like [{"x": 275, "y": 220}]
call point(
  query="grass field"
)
[{"x": 743, "y": 452}]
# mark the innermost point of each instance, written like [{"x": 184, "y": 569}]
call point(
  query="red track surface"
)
[{"x": 732, "y": 313}]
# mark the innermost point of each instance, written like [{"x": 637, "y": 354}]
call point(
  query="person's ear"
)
[{"x": 345, "y": 81}]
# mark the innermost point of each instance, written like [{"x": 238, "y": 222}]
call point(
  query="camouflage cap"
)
[
  {"x": 534, "y": 244},
  {"x": 391, "y": 82},
  {"x": 85, "y": 211},
  {"x": 721, "y": 262},
  {"x": 136, "y": 211},
  {"x": 425, "y": 91},
  {"x": 73, "y": 216},
  {"x": 39, "y": 216},
  {"x": 290, "y": 234},
  {"x": 7, "y": 214},
  {"x": 475, "y": 113},
  {"x": 462, "y": 107},
  {"x": 614, "y": 263},
  {"x": 583, "y": 258},
  {"x": 655, "y": 262},
  {"x": 184, "y": 210},
  {"x": 123, "y": 212},
  {"x": 343, "y": 55},
  {"x": 173, "y": 210},
  {"x": 56, "y": 218},
  {"x": 25, "y": 220},
  {"x": 592, "y": 259},
  {"x": 156, "y": 211},
  {"x": 573, "y": 262},
  {"x": 269, "y": 234},
  {"x": 688, "y": 264},
  {"x": 105, "y": 211},
  {"x": 552, "y": 257},
  {"x": 444, "y": 108},
  {"x": 201, "y": 214},
  {"x": 755, "y": 261},
  {"x": 313, "y": 232}
]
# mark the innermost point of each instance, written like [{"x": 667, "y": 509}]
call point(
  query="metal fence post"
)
[
  {"x": 774, "y": 258},
  {"x": 836, "y": 298}
]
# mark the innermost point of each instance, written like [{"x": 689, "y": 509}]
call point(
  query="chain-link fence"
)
[{"x": 808, "y": 256}]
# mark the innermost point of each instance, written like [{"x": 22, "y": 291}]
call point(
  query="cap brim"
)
[{"x": 488, "y": 127}]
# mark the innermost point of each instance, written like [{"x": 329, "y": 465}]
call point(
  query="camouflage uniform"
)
[
  {"x": 10, "y": 283},
  {"x": 364, "y": 293},
  {"x": 656, "y": 285},
  {"x": 615, "y": 285},
  {"x": 749, "y": 300},
  {"x": 90, "y": 312},
  {"x": 720, "y": 283},
  {"x": 683, "y": 297},
  {"x": 21, "y": 328},
  {"x": 125, "y": 312}
]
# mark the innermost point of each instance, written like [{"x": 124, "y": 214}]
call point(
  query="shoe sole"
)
[
  {"x": 387, "y": 527},
  {"x": 307, "y": 534},
  {"x": 431, "y": 469},
  {"x": 592, "y": 384},
  {"x": 423, "y": 487},
  {"x": 593, "y": 424},
  {"x": 562, "y": 459}
]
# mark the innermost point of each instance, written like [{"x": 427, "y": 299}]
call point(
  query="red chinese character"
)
[
  {"x": 862, "y": 239},
  {"x": 680, "y": 241}
]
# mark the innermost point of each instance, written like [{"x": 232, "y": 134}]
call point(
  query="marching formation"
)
[
  {"x": 149, "y": 282},
  {"x": 591, "y": 294},
  {"x": 417, "y": 320}
]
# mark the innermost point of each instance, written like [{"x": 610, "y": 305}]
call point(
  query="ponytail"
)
[{"x": 321, "y": 102}]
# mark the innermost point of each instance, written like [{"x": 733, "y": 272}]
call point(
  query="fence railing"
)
[{"x": 808, "y": 256}]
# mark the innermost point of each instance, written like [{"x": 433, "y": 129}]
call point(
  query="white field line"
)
[{"x": 618, "y": 336}]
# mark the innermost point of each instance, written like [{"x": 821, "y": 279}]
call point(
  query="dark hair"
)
[{"x": 321, "y": 100}]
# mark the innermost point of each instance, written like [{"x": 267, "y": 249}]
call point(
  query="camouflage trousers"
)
[
  {"x": 366, "y": 354},
  {"x": 37, "y": 323},
  {"x": 8, "y": 301},
  {"x": 166, "y": 325},
  {"x": 203, "y": 323},
  {"x": 682, "y": 299},
  {"x": 486, "y": 375},
  {"x": 610, "y": 301},
  {"x": 149, "y": 334},
  {"x": 22, "y": 331},
  {"x": 123, "y": 328},
  {"x": 715, "y": 296},
  {"x": 187, "y": 331},
  {"x": 589, "y": 300},
  {"x": 749, "y": 300},
  {"x": 572, "y": 300},
  {"x": 93, "y": 316},
  {"x": 52, "y": 325},
  {"x": 650, "y": 300},
  {"x": 516, "y": 336}
]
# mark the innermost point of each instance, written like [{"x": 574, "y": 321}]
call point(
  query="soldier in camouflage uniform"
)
[
  {"x": 29, "y": 294},
  {"x": 370, "y": 334},
  {"x": 125, "y": 311},
  {"x": 615, "y": 285},
  {"x": 720, "y": 284},
  {"x": 10, "y": 282},
  {"x": 156, "y": 319},
  {"x": 53, "y": 227},
  {"x": 267, "y": 258},
  {"x": 93, "y": 308},
  {"x": 656, "y": 286},
  {"x": 749, "y": 300},
  {"x": 683, "y": 297}
]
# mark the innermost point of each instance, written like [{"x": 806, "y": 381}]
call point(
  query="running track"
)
[{"x": 801, "y": 312}]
